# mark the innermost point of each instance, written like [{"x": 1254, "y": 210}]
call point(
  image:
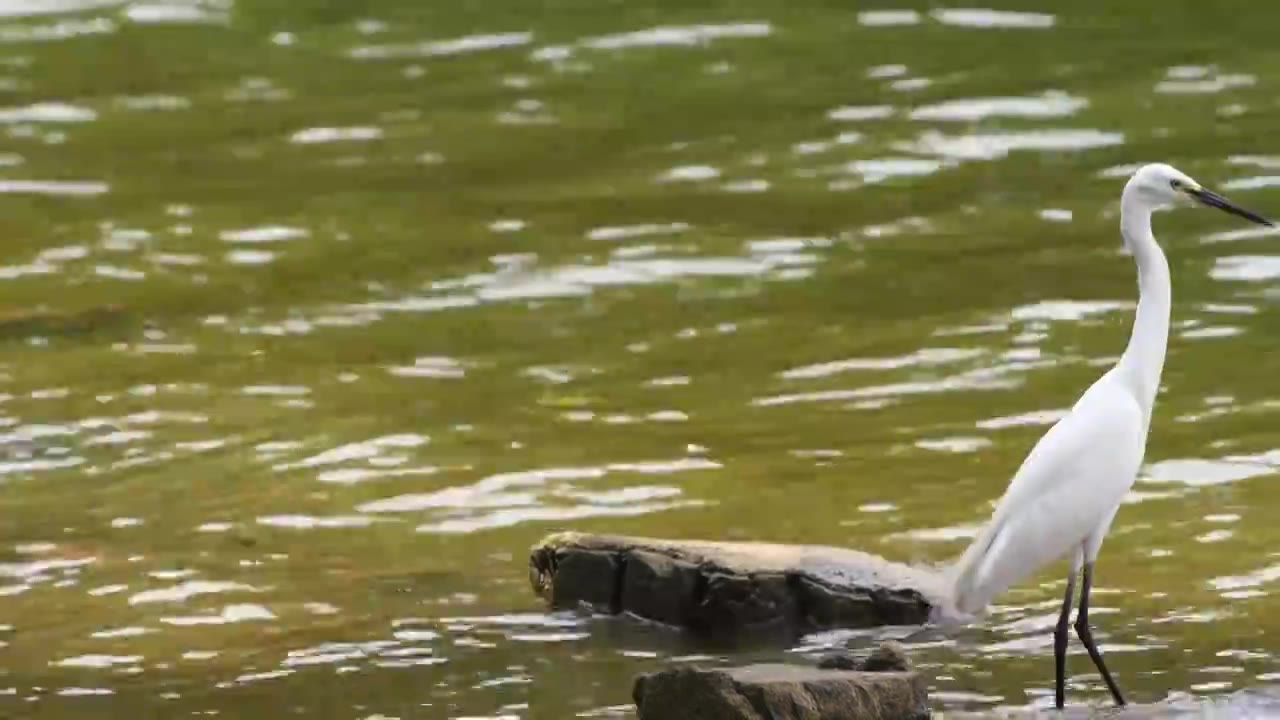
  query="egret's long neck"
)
[{"x": 1143, "y": 359}]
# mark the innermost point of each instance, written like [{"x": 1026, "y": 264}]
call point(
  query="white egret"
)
[{"x": 1062, "y": 499}]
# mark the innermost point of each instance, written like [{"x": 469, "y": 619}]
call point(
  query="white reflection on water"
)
[
  {"x": 179, "y": 12},
  {"x": 440, "y": 48},
  {"x": 1251, "y": 183},
  {"x": 925, "y": 357},
  {"x": 664, "y": 36},
  {"x": 1048, "y": 104},
  {"x": 1245, "y": 233},
  {"x": 548, "y": 494},
  {"x": 512, "y": 516},
  {"x": 907, "y": 84},
  {"x": 311, "y": 522},
  {"x": 258, "y": 89},
  {"x": 861, "y": 112},
  {"x": 1246, "y": 268},
  {"x": 332, "y": 653},
  {"x": 97, "y": 661},
  {"x": 996, "y": 145},
  {"x": 887, "y": 71},
  {"x": 884, "y": 18},
  {"x": 984, "y": 18},
  {"x": 249, "y": 678},
  {"x": 47, "y": 112},
  {"x": 60, "y": 30},
  {"x": 153, "y": 102},
  {"x": 432, "y": 367},
  {"x": 1216, "y": 331},
  {"x": 626, "y": 232},
  {"x": 319, "y": 135},
  {"x": 878, "y": 169},
  {"x": 1194, "y": 79},
  {"x": 53, "y": 187},
  {"x": 689, "y": 173},
  {"x": 526, "y": 111},
  {"x": 1035, "y": 417},
  {"x": 228, "y": 615},
  {"x": 263, "y": 234},
  {"x": 1268, "y": 162},
  {"x": 578, "y": 280},
  {"x": 1251, "y": 580},
  {"x": 379, "y": 457},
  {"x": 1067, "y": 310},
  {"x": 1197, "y": 472},
  {"x": 250, "y": 257},
  {"x": 995, "y": 377},
  {"x": 957, "y": 444},
  {"x": 187, "y": 590},
  {"x": 679, "y": 35}
]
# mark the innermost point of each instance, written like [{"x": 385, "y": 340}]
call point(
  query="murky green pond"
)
[{"x": 316, "y": 314}]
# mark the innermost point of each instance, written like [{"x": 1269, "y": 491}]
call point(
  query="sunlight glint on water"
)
[{"x": 318, "y": 318}]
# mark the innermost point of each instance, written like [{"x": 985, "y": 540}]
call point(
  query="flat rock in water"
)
[
  {"x": 786, "y": 692},
  {"x": 731, "y": 589}
]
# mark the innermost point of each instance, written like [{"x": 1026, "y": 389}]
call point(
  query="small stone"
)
[
  {"x": 779, "y": 692},
  {"x": 889, "y": 657}
]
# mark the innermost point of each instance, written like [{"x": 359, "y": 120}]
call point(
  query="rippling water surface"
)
[{"x": 316, "y": 315}]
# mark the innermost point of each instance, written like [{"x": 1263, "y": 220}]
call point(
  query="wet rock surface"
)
[
  {"x": 731, "y": 590},
  {"x": 788, "y": 692}
]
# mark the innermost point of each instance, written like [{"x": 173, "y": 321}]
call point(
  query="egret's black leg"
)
[
  {"x": 1060, "y": 643},
  {"x": 1086, "y": 635}
]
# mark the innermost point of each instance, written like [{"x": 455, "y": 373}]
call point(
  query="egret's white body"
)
[{"x": 1063, "y": 498}]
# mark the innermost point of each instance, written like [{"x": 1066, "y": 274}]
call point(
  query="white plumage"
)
[{"x": 1063, "y": 498}]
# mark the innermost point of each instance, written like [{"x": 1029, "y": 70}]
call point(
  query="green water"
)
[{"x": 317, "y": 314}]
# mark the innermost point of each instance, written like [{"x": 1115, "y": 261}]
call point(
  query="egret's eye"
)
[{"x": 1176, "y": 184}]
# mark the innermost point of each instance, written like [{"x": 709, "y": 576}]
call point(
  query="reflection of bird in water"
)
[{"x": 1063, "y": 498}]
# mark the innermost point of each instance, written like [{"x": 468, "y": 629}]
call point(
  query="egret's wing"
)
[{"x": 1069, "y": 484}]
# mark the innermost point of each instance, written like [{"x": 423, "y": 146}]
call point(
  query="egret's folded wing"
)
[{"x": 1070, "y": 483}]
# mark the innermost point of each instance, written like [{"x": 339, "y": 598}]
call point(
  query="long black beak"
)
[{"x": 1213, "y": 199}]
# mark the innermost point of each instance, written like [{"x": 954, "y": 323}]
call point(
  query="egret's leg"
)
[
  {"x": 1060, "y": 642},
  {"x": 1086, "y": 635}
]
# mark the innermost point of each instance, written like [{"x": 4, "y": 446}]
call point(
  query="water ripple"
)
[
  {"x": 925, "y": 357},
  {"x": 320, "y": 135},
  {"x": 1046, "y": 105},
  {"x": 663, "y": 36},
  {"x": 514, "y": 497},
  {"x": 1191, "y": 79},
  {"x": 993, "y": 146},
  {"x": 443, "y": 48},
  {"x": 983, "y": 18},
  {"x": 885, "y": 18},
  {"x": 47, "y": 112}
]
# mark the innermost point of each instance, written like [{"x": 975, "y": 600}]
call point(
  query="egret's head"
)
[{"x": 1159, "y": 185}]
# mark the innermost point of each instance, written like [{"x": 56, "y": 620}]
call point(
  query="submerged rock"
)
[
  {"x": 729, "y": 589},
  {"x": 786, "y": 692}
]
